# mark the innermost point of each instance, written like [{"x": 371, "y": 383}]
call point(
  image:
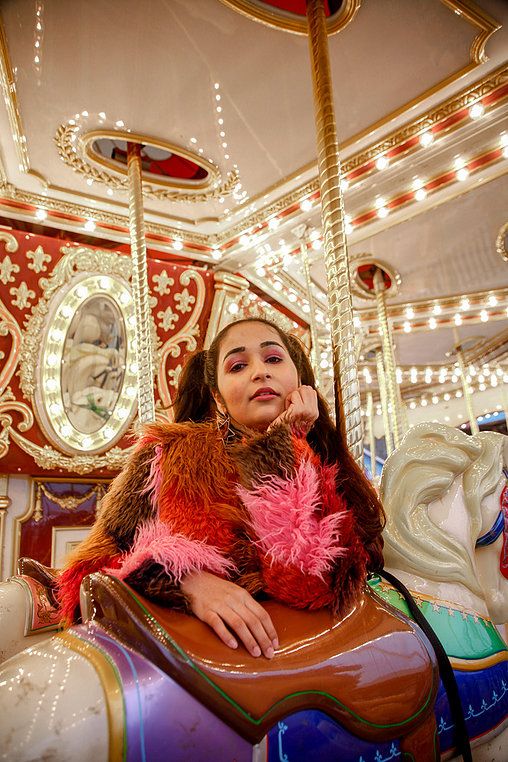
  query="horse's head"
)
[{"x": 441, "y": 490}]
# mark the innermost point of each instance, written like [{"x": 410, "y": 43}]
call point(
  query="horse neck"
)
[{"x": 450, "y": 592}]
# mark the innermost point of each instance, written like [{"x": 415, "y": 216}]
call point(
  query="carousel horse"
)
[
  {"x": 140, "y": 682},
  {"x": 446, "y": 539}
]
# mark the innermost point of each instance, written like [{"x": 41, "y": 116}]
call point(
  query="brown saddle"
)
[
  {"x": 373, "y": 671},
  {"x": 29, "y": 567}
]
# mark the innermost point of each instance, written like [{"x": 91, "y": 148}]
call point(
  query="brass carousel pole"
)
[
  {"x": 144, "y": 359},
  {"x": 372, "y": 438},
  {"x": 312, "y": 314},
  {"x": 381, "y": 380},
  {"x": 389, "y": 359},
  {"x": 347, "y": 390}
]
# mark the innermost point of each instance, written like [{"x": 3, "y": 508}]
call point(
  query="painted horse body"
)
[{"x": 155, "y": 684}]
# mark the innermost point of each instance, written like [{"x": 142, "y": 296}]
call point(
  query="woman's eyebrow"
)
[{"x": 242, "y": 349}]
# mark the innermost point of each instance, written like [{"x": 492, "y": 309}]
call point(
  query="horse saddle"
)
[
  {"x": 39, "y": 582},
  {"x": 372, "y": 670}
]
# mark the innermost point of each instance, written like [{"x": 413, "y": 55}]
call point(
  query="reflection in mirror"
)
[{"x": 93, "y": 364}]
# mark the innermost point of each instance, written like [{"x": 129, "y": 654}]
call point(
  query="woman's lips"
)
[{"x": 266, "y": 393}]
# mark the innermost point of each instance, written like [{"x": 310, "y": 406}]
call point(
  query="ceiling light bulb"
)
[
  {"x": 476, "y": 111},
  {"x": 382, "y": 212},
  {"x": 41, "y": 214},
  {"x": 420, "y": 194},
  {"x": 89, "y": 224},
  {"x": 382, "y": 162},
  {"x": 410, "y": 313},
  {"x": 484, "y": 316},
  {"x": 244, "y": 240},
  {"x": 437, "y": 309},
  {"x": 462, "y": 174},
  {"x": 426, "y": 138},
  {"x": 432, "y": 323},
  {"x": 457, "y": 319},
  {"x": 464, "y": 304},
  {"x": 344, "y": 184},
  {"x": 306, "y": 205},
  {"x": 273, "y": 223},
  {"x": 177, "y": 244},
  {"x": 492, "y": 300},
  {"x": 407, "y": 327}
]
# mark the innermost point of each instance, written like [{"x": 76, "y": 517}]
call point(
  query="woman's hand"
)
[
  {"x": 301, "y": 410},
  {"x": 222, "y": 604}
]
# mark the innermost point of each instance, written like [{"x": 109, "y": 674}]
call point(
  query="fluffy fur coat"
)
[{"x": 263, "y": 512}]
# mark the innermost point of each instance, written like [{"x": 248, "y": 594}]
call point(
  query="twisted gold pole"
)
[
  {"x": 144, "y": 357},
  {"x": 381, "y": 380},
  {"x": 347, "y": 389},
  {"x": 372, "y": 438},
  {"x": 389, "y": 358},
  {"x": 312, "y": 315}
]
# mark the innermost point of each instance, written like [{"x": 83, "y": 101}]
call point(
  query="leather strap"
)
[{"x": 445, "y": 668}]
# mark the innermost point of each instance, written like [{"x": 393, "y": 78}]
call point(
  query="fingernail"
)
[
  {"x": 269, "y": 653},
  {"x": 232, "y": 644},
  {"x": 256, "y": 651},
  {"x": 275, "y": 643}
]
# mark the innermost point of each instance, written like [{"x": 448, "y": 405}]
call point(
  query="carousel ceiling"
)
[{"x": 220, "y": 94}]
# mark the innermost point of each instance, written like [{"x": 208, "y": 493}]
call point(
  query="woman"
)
[{"x": 250, "y": 493}]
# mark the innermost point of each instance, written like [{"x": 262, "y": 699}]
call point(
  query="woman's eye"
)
[
  {"x": 274, "y": 359},
  {"x": 236, "y": 367}
]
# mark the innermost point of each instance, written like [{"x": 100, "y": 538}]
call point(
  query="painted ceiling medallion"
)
[
  {"x": 290, "y": 15},
  {"x": 363, "y": 267},
  {"x": 170, "y": 172}
]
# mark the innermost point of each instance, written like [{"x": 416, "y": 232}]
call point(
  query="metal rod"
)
[
  {"x": 372, "y": 438},
  {"x": 144, "y": 359},
  {"x": 312, "y": 315},
  {"x": 381, "y": 380},
  {"x": 389, "y": 358},
  {"x": 340, "y": 310}
]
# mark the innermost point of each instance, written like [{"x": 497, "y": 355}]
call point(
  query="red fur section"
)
[
  {"x": 177, "y": 554},
  {"x": 69, "y": 583},
  {"x": 285, "y": 517},
  {"x": 300, "y": 591}
]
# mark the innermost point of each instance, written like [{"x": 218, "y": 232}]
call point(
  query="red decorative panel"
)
[{"x": 181, "y": 300}]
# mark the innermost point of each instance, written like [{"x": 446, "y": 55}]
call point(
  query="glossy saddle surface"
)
[{"x": 373, "y": 671}]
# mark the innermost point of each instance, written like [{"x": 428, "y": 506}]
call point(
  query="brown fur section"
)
[
  {"x": 197, "y": 465},
  {"x": 265, "y": 454},
  {"x": 126, "y": 505},
  {"x": 153, "y": 582}
]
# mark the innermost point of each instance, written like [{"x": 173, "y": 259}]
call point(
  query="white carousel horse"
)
[
  {"x": 437, "y": 474},
  {"x": 446, "y": 539}
]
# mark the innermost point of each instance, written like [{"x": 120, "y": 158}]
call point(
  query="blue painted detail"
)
[
  {"x": 312, "y": 736},
  {"x": 484, "y": 696},
  {"x": 491, "y": 536}
]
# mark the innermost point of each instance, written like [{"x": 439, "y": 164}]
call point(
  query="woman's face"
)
[{"x": 255, "y": 374}]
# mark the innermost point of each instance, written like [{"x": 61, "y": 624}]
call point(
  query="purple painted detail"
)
[{"x": 162, "y": 720}]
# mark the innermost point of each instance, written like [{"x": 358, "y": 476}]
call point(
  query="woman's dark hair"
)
[{"x": 194, "y": 402}]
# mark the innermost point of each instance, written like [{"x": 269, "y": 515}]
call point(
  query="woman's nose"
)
[{"x": 260, "y": 371}]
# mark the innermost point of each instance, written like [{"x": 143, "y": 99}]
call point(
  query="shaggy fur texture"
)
[
  {"x": 152, "y": 579},
  {"x": 270, "y": 453},
  {"x": 285, "y": 517},
  {"x": 178, "y": 555}
]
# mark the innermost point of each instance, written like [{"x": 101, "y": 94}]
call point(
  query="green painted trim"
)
[
  {"x": 242, "y": 711},
  {"x": 464, "y": 636}
]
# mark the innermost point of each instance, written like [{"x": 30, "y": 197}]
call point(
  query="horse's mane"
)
[{"x": 420, "y": 471}]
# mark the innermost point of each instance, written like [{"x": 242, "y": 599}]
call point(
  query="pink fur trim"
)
[
  {"x": 154, "y": 482},
  {"x": 177, "y": 554},
  {"x": 284, "y": 514}
]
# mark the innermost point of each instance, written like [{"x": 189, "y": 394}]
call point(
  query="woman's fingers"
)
[
  {"x": 212, "y": 619},
  {"x": 249, "y": 629}
]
